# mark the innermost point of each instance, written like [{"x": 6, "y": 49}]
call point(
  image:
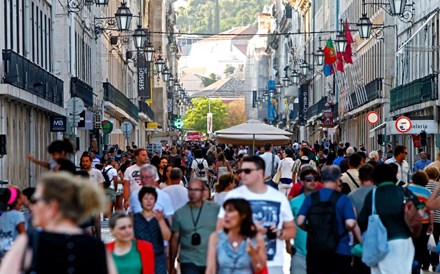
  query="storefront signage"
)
[
  {"x": 58, "y": 124},
  {"x": 403, "y": 124},
  {"x": 144, "y": 79},
  {"x": 429, "y": 126},
  {"x": 303, "y": 103}
]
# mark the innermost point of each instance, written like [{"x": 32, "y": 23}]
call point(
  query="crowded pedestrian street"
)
[{"x": 219, "y": 137}]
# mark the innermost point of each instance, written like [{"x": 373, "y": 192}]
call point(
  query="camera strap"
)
[{"x": 198, "y": 216}]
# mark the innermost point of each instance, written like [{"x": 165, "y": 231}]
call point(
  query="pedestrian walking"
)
[
  {"x": 285, "y": 167},
  {"x": 403, "y": 169},
  {"x": 238, "y": 248},
  {"x": 330, "y": 217},
  {"x": 61, "y": 201},
  {"x": 433, "y": 173},
  {"x": 271, "y": 162},
  {"x": 226, "y": 183},
  {"x": 271, "y": 212},
  {"x": 192, "y": 226},
  {"x": 177, "y": 192},
  {"x": 130, "y": 256},
  {"x": 389, "y": 201},
  {"x": 151, "y": 226}
]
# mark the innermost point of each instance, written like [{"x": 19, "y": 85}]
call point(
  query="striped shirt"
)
[
  {"x": 431, "y": 186},
  {"x": 422, "y": 194}
]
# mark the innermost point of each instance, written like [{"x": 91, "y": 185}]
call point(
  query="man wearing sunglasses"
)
[
  {"x": 270, "y": 210},
  {"x": 403, "y": 171}
]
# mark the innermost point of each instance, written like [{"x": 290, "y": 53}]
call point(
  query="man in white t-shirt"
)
[
  {"x": 270, "y": 210},
  {"x": 132, "y": 176},
  {"x": 110, "y": 192},
  {"x": 178, "y": 193},
  {"x": 196, "y": 171},
  {"x": 94, "y": 174},
  {"x": 271, "y": 162},
  {"x": 148, "y": 174}
]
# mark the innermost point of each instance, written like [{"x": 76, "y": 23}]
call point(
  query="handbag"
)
[
  {"x": 277, "y": 177},
  {"x": 375, "y": 238},
  {"x": 412, "y": 217}
]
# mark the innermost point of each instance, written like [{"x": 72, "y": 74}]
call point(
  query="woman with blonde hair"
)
[{"x": 61, "y": 202}]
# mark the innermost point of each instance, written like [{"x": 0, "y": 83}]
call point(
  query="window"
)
[
  {"x": 37, "y": 36},
  {"x": 41, "y": 39},
  {"x": 6, "y": 24},
  {"x": 45, "y": 42},
  {"x": 11, "y": 20},
  {"x": 33, "y": 31},
  {"x": 17, "y": 27}
]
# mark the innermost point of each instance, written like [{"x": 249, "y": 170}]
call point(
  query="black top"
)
[{"x": 63, "y": 253}]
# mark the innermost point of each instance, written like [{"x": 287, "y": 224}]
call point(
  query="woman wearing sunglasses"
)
[
  {"x": 131, "y": 256},
  {"x": 61, "y": 201}
]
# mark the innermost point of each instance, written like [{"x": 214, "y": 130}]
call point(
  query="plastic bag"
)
[{"x": 432, "y": 247}]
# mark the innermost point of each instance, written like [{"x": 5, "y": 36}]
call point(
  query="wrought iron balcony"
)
[
  {"x": 145, "y": 108},
  {"x": 317, "y": 108},
  {"x": 418, "y": 91},
  {"x": 80, "y": 89},
  {"x": 117, "y": 98},
  {"x": 26, "y": 75},
  {"x": 373, "y": 90}
]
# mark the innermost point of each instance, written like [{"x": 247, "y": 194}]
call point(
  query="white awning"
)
[{"x": 373, "y": 130}]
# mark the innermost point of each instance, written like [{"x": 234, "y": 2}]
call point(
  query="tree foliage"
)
[
  {"x": 236, "y": 113},
  {"x": 196, "y": 118},
  {"x": 199, "y": 15}
]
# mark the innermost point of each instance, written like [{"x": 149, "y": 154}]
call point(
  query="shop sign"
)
[{"x": 429, "y": 126}]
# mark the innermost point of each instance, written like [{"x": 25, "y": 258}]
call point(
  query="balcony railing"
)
[
  {"x": 418, "y": 91},
  {"x": 82, "y": 90},
  {"x": 145, "y": 108},
  {"x": 26, "y": 75},
  {"x": 117, "y": 98},
  {"x": 373, "y": 90},
  {"x": 317, "y": 108}
]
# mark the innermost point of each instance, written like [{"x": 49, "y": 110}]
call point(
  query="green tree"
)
[
  {"x": 229, "y": 70},
  {"x": 196, "y": 118}
]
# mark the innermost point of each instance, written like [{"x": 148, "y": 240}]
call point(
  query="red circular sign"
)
[
  {"x": 373, "y": 117},
  {"x": 403, "y": 124}
]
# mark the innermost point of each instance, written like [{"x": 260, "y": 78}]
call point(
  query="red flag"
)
[
  {"x": 348, "y": 52},
  {"x": 340, "y": 63},
  {"x": 330, "y": 53}
]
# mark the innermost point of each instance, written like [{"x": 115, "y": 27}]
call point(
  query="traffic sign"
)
[
  {"x": 178, "y": 123},
  {"x": 75, "y": 106},
  {"x": 126, "y": 127},
  {"x": 372, "y": 117},
  {"x": 403, "y": 124},
  {"x": 107, "y": 126}
]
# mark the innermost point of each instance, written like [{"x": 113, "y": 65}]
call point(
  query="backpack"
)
[
  {"x": 375, "y": 238},
  {"x": 322, "y": 230},
  {"x": 200, "y": 168},
  {"x": 107, "y": 180}
]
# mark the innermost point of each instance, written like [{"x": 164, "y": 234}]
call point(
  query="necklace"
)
[{"x": 234, "y": 244}]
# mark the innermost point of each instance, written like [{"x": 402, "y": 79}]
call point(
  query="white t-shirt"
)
[
  {"x": 268, "y": 209},
  {"x": 178, "y": 195},
  {"x": 267, "y": 157},
  {"x": 163, "y": 203},
  {"x": 286, "y": 167},
  {"x": 194, "y": 166},
  {"x": 95, "y": 162},
  {"x": 96, "y": 176},
  {"x": 112, "y": 173},
  {"x": 132, "y": 174}
]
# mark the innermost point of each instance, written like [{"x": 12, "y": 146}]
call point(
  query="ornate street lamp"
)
[
  {"x": 176, "y": 86},
  {"x": 159, "y": 64},
  {"x": 341, "y": 42},
  {"x": 286, "y": 81},
  {"x": 279, "y": 86},
  {"x": 304, "y": 67},
  {"x": 101, "y": 2},
  {"x": 397, "y": 7},
  {"x": 271, "y": 93},
  {"x": 139, "y": 37},
  {"x": 295, "y": 77},
  {"x": 166, "y": 74},
  {"x": 319, "y": 56},
  {"x": 123, "y": 17},
  {"x": 149, "y": 52},
  {"x": 364, "y": 26},
  {"x": 171, "y": 80}
]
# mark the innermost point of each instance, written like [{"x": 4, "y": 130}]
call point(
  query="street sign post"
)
[
  {"x": 372, "y": 117},
  {"x": 126, "y": 128},
  {"x": 403, "y": 124},
  {"x": 75, "y": 106}
]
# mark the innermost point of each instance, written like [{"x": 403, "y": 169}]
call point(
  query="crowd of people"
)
[{"x": 202, "y": 207}]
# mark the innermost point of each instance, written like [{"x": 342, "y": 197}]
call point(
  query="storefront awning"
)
[{"x": 373, "y": 130}]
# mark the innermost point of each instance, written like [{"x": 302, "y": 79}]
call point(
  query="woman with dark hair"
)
[
  {"x": 12, "y": 222},
  {"x": 130, "y": 255},
  {"x": 286, "y": 167},
  {"x": 225, "y": 183},
  {"x": 163, "y": 163},
  {"x": 222, "y": 166},
  {"x": 151, "y": 226},
  {"x": 166, "y": 177},
  {"x": 59, "y": 151},
  {"x": 238, "y": 248}
]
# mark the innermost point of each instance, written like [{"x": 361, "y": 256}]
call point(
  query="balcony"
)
[
  {"x": 418, "y": 91},
  {"x": 146, "y": 109},
  {"x": 82, "y": 90},
  {"x": 24, "y": 74},
  {"x": 317, "y": 108},
  {"x": 373, "y": 90},
  {"x": 114, "y": 96}
]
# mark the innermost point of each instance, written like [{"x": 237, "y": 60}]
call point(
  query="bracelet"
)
[{"x": 258, "y": 265}]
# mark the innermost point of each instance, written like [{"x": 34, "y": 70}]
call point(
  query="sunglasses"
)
[
  {"x": 246, "y": 170},
  {"x": 35, "y": 200},
  {"x": 309, "y": 178},
  {"x": 195, "y": 189}
]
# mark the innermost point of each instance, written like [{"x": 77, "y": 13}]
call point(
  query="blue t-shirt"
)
[
  {"x": 8, "y": 229},
  {"x": 338, "y": 160},
  {"x": 344, "y": 211},
  {"x": 420, "y": 164},
  {"x": 301, "y": 235}
]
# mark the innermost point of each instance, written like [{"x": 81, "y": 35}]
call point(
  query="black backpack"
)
[
  {"x": 107, "y": 180},
  {"x": 322, "y": 230},
  {"x": 200, "y": 168}
]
